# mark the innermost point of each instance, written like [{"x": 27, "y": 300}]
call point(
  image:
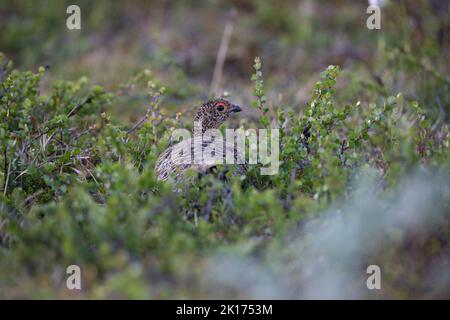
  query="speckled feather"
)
[{"x": 211, "y": 115}]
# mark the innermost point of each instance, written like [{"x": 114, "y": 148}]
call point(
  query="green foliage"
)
[
  {"x": 259, "y": 93},
  {"x": 76, "y": 186},
  {"x": 47, "y": 138},
  {"x": 77, "y": 175}
]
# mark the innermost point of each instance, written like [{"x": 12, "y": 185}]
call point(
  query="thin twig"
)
[
  {"x": 79, "y": 106},
  {"x": 144, "y": 119},
  {"x": 7, "y": 171},
  {"x": 138, "y": 124},
  {"x": 69, "y": 115},
  {"x": 344, "y": 147},
  {"x": 222, "y": 53}
]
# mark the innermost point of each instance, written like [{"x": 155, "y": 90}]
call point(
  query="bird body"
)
[{"x": 206, "y": 149}]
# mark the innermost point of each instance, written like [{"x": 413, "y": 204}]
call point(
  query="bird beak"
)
[{"x": 235, "y": 108}]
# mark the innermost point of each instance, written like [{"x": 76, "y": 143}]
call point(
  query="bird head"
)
[{"x": 215, "y": 112}]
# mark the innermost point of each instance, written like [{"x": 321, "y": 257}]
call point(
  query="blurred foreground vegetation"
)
[{"x": 364, "y": 150}]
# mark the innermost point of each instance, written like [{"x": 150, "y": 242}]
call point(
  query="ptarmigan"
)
[{"x": 175, "y": 161}]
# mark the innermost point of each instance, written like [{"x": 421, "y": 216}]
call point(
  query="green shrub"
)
[{"x": 79, "y": 187}]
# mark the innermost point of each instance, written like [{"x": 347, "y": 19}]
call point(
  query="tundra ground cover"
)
[{"x": 364, "y": 152}]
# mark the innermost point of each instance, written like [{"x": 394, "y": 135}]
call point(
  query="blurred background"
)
[{"x": 178, "y": 41}]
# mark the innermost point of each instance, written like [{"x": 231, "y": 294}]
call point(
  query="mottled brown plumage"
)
[
  {"x": 214, "y": 112},
  {"x": 209, "y": 116}
]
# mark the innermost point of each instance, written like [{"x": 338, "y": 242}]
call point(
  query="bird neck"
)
[
  {"x": 198, "y": 129},
  {"x": 200, "y": 126}
]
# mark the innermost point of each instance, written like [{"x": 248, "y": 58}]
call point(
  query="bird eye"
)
[{"x": 220, "y": 107}]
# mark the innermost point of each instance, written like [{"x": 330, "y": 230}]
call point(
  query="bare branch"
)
[{"x": 222, "y": 53}]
